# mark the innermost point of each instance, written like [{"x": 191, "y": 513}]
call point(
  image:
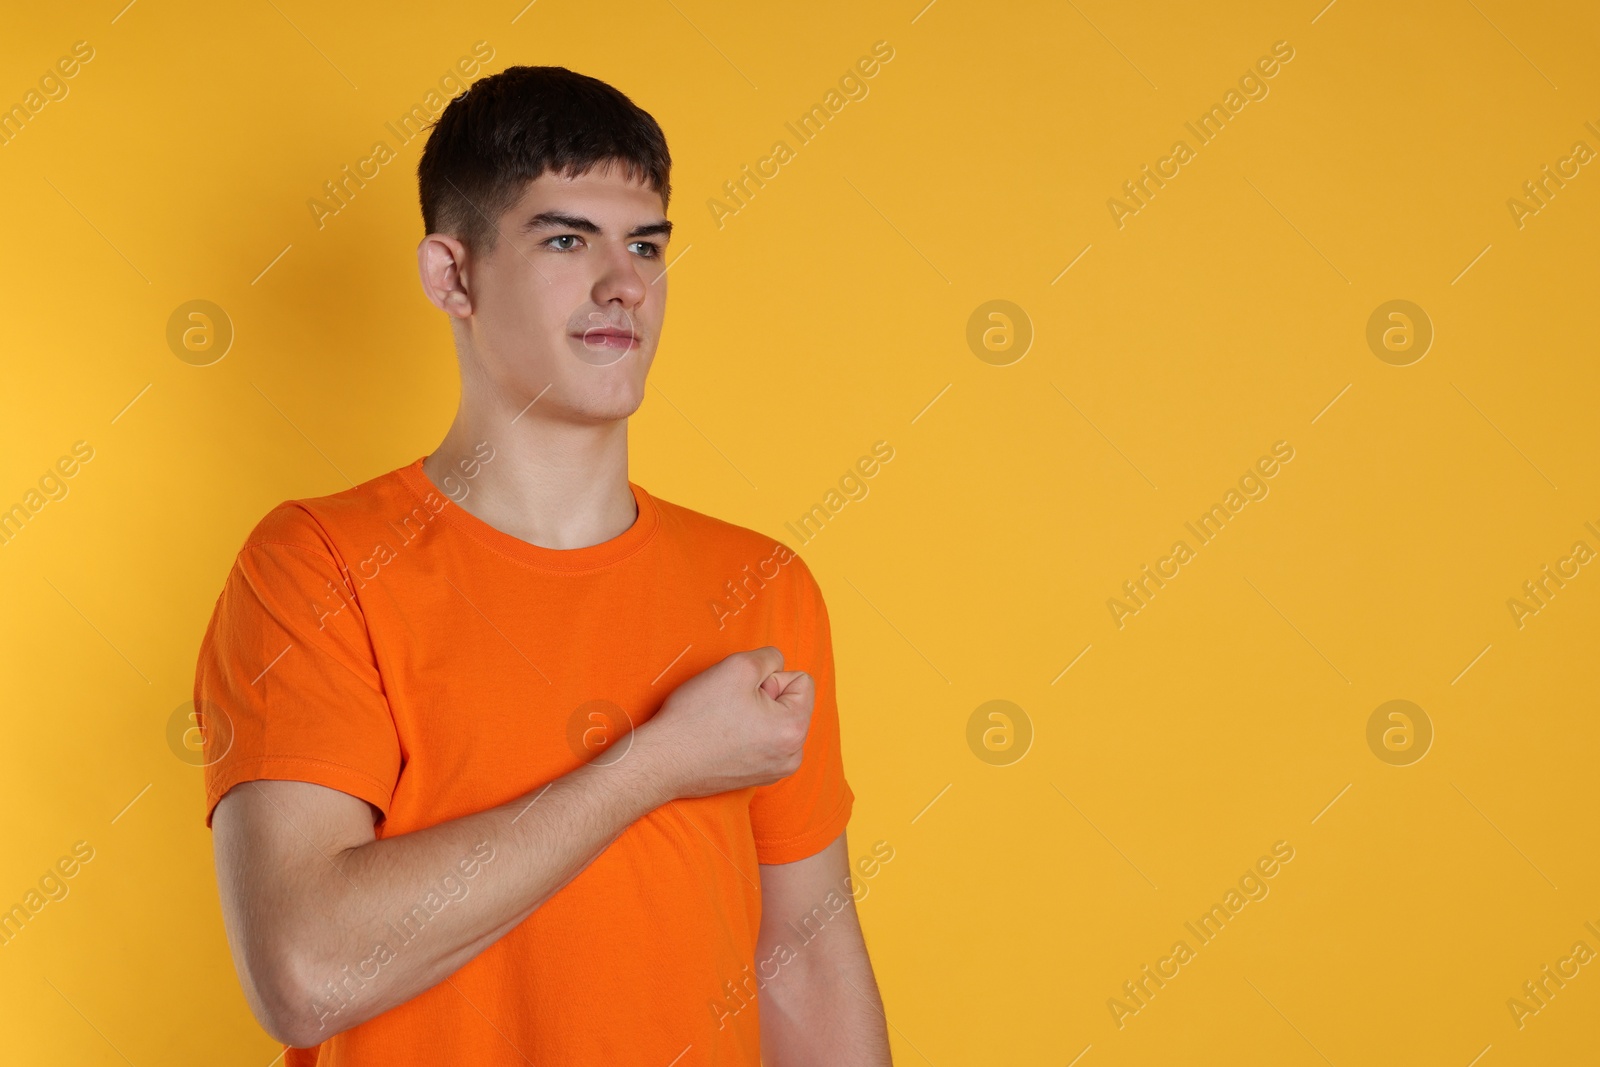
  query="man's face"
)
[{"x": 568, "y": 306}]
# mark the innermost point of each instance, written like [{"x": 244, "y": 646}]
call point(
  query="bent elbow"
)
[
  {"x": 285, "y": 1031},
  {"x": 287, "y": 1008}
]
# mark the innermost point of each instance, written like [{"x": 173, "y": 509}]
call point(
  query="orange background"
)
[{"x": 1029, "y": 482}]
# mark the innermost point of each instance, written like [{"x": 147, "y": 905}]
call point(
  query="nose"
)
[{"x": 619, "y": 280}]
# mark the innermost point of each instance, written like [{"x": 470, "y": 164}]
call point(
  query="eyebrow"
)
[{"x": 547, "y": 220}]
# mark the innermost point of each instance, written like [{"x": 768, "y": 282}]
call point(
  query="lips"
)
[{"x": 608, "y": 337}]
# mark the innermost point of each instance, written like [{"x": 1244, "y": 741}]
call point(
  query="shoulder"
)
[
  {"x": 731, "y": 547},
  {"x": 322, "y": 522}
]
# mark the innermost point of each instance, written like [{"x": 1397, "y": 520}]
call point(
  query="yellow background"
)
[{"x": 827, "y": 315}]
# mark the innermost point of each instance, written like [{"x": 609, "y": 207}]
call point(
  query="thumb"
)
[{"x": 792, "y": 687}]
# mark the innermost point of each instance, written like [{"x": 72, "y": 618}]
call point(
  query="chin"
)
[{"x": 611, "y": 402}]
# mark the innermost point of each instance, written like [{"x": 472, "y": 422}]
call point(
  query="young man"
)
[{"x": 504, "y": 765}]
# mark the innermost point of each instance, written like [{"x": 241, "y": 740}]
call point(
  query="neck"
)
[{"x": 553, "y": 483}]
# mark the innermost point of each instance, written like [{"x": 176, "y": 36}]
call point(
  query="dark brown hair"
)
[{"x": 511, "y": 127}]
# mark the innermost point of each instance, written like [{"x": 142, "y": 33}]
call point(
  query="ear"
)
[{"x": 441, "y": 262}]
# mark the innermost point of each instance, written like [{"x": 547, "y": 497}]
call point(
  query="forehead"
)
[{"x": 604, "y": 189}]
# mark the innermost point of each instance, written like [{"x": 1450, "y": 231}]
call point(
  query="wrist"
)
[{"x": 648, "y": 769}]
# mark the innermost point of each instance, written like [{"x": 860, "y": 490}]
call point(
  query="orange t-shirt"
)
[{"x": 385, "y": 642}]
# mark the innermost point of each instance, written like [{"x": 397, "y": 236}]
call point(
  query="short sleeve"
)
[
  {"x": 287, "y": 686},
  {"x": 800, "y": 815}
]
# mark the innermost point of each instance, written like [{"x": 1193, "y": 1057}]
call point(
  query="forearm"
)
[
  {"x": 823, "y": 1007},
  {"x": 368, "y": 940}
]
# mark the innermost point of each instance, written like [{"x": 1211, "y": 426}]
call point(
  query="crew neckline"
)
[{"x": 565, "y": 560}]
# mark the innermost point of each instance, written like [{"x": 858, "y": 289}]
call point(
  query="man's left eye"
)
[{"x": 654, "y": 249}]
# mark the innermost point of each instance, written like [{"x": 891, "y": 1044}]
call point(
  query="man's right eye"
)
[{"x": 562, "y": 237}]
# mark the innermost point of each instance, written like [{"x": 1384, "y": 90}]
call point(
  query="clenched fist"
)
[{"x": 741, "y": 722}]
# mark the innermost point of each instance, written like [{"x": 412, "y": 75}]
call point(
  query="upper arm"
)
[
  {"x": 300, "y": 749},
  {"x": 805, "y": 901},
  {"x": 819, "y": 997},
  {"x": 279, "y": 847},
  {"x": 795, "y": 817}
]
